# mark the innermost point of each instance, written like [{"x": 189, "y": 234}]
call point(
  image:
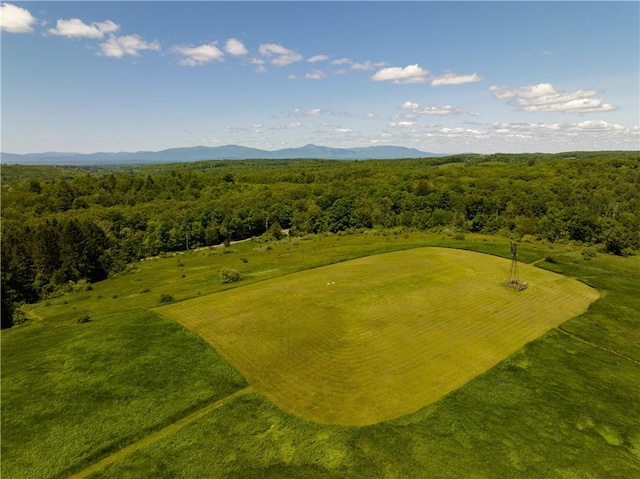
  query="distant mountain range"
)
[{"x": 228, "y": 152}]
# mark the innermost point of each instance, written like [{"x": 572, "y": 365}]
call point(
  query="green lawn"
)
[{"x": 71, "y": 392}]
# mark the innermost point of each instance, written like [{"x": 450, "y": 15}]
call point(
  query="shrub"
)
[
  {"x": 166, "y": 298},
  {"x": 229, "y": 276},
  {"x": 83, "y": 319}
]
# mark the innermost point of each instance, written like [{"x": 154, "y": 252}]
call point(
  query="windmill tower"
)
[{"x": 514, "y": 276}]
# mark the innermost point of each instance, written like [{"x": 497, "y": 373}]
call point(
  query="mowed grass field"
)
[{"x": 374, "y": 338}]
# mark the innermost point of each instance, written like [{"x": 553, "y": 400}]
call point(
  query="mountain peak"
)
[{"x": 226, "y": 152}]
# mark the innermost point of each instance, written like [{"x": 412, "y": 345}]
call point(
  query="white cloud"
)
[
  {"x": 408, "y": 74},
  {"x": 343, "y": 130},
  {"x": 408, "y": 105},
  {"x": 128, "y": 45},
  {"x": 235, "y": 47},
  {"x": 318, "y": 58},
  {"x": 460, "y": 131},
  {"x": 76, "y": 28},
  {"x": 402, "y": 124},
  {"x": 367, "y": 65},
  {"x": 315, "y": 75},
  {"x": 454, "y": 79},
  {"x": 199, "y": 55},
  {"x": 279, "y": 55},
  {"x": 295, "y": 125},
  {"x": 297, "y": 112},
  {"x": 292, "y": 77},
  {"x": 15, "y": 19},
  {"x": 371, "y": 116},
  {"x": 260, "y": 68},
  {"x": 342, "y": 61},
  {"x": 599, "y": 125},
  {"x": 444, "y": 110},
  {"x": 545, "y": 97}
]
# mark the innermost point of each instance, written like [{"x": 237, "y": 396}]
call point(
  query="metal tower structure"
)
[{"x": 514, "y": 276}]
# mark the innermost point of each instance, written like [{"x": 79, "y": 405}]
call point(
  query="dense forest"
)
[{"x": 64, "y": 228}]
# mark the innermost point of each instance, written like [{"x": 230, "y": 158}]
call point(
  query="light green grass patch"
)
[{"x": 374, "y": 338}]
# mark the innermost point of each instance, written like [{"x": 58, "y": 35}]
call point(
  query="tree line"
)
[{"x": 80, "y": 226}]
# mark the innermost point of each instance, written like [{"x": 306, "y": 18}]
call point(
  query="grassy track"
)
[
  {"x": 371, "y": 339},
  {"x": 163, "y": 433}
]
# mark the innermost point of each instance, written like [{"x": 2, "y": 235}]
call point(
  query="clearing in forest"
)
[{"x": 374, "y": 338}]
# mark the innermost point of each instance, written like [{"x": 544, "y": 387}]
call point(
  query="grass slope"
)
[
  {"x": 72, "y": 393},
  {"x": 370, "y": 339},
  {"x": 559, "y": 407}
]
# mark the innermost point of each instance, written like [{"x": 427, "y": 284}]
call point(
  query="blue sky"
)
[{"x": 438, "y": 76}]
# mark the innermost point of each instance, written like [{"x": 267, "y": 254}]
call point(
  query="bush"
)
[
  {"x": 229, "y": 276},
  {"x": 83, "y": 319},
  {"x": 166, "y": 298}
]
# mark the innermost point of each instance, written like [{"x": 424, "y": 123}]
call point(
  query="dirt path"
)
[{"x": 156, "y": 436}]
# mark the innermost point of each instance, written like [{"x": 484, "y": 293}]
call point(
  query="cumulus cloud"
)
[
  {"x": 454, "y": 79},
  {"x": 261, "y": 68},
  {"x": 76, "y": 28},
  {"x": 598, "y": 125},
  {"x": 366, "y": 65},
  {"x": 408, "y": 74},
  {"x": 590, "y": 132},
  {"x": 279, "y": 55},
  {"x": 15, "y": 19},
  {"x": 297, "y": 112},
  {"x": 318, "y": 58},
  {"x": 545, "y": 97},
  {"x": 460, "y": 131},
  {"x": 342, "y": 61},
  {"x": 445, "y": 110},
  {"x": 438, "y": 110},
  {"x": 402, "y": 124},
  {"x": 235, "y": 47},
  {"x": 295, "y": 125},
  {"x": 315, "y": 75},
  {"x": 408, "y": 105},
  {"x": 343, "y": 130},
  {"x": 192, "y": 56},
  {"x": 118, "y": 47}
]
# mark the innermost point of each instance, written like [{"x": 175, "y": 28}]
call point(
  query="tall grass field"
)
[{"x": 386, "y": 354}]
